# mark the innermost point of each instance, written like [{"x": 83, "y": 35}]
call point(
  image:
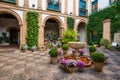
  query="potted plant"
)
[
  {"x": 65, "y": 48},
  {"x": 63, "y": 63},
  {"x": 98, "y": 59},
  {"x": 24, "y": 48},
  {"x": 71, "y": 65},
  {"x": 92, "y": 49},
  {"x": 53, "y": 55},
  {"x": 33, "y": 48},
  {"x": 104, "y": 43},
  {"x": 80, "y": 65},
  {"x": 81, "y": 51}
]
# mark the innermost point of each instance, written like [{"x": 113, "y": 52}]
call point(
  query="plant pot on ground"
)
[
  {"x": 104, "y": 43},
  {"x": 65, "y": 48},
  {"x": 33, "y": 48},
  {"x": 92, "y": 49},
  {"x": 24, "y": 48},
  {"x": 98, "y": 59},
  {"x": 53, "y": 55}
]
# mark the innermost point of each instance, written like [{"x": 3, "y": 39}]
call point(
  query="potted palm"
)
[
  {"x": 65, "y": 48},
  {"x": 53, "y": 55},
  {"x": 98, "y": 59},
  {"x": 92, "y": 49}
]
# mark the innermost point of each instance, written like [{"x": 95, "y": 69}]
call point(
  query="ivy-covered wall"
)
[
  {"x": 70, "y": 22},
  {"x": 95, "y": 25},
  {"x": 32, "y": 29}
]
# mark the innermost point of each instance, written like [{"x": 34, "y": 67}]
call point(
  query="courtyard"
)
[{"x": 17, "y": 65}]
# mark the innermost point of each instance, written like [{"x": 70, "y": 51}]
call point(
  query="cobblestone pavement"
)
[{"x": 17, "y": 65}]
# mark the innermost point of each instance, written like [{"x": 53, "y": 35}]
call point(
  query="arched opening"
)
[
  {"x": 81, "y": 32},
  {"x": 9, "y": 29},
  {"x": 51, "y": 30}
]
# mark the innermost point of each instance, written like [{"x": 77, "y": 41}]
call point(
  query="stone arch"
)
[
  {"x": 12, "y": 13},
  {"x": 81, "y": 21},
  {"x": 56, "y": 18},
  {"x": 81, "y": 28}
]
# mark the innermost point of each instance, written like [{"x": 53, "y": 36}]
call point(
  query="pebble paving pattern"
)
[{"x": 17, "y": 65}]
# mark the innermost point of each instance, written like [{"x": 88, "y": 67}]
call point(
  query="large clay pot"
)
[{"x": 98, "y": 66}]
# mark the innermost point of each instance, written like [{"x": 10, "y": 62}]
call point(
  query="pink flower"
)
[
  {"x": 81, "y": 51},
  {"x": 73, "y": 51},
  {"x": 80, "y": 64},
  {"x": 63, "y": 61},
  {"x": 60, "y": 52}
]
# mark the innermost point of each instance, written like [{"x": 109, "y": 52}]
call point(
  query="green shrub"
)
[
  {"x": 92, "y": 48},
  {"x": 65, "y": 47},
  {"x": 53, "y": 52},
  {"x": 104, "y": 42},
  {"x": 109, "y": 46},
  {"x": 69, "y": 36},
  {"x": 98, "y": 57},
  {"x": 70, "y": 22}
]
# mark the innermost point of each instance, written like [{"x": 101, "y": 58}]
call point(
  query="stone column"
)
[
  {"x": 41, "y": 32},
  {"x": 40, "y": 4},
  {"x": 26, "y": 3},
  {"x": 74, "y": 7},
  {"x": 24, "y": 29},
  {"x": 17, "y": 2},
  {"x": 61, "y": 32},
  {"x": 66, "y": 6},
  {"x": 106, "y": 29},
  {"x": 21, "y": 35}
]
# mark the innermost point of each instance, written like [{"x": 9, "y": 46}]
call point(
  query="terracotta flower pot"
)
[
  {"x": 65, "y": 51},
  {"x": 70, "y": 69},
  {"x": 53, "y": 60},
  {"x": 81, "y": 69},
  {"x": 62, "y": 66},
  {"x": 98, "y": 66}
]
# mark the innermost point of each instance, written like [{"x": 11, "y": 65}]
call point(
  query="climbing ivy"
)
[
  {"x": 32, "y": 29},
  {"x": 95, "y": 25},
  {"x": 70, "y": 22}
]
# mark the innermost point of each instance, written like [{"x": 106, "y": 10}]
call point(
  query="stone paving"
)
[{"x": 17, "y": 65}]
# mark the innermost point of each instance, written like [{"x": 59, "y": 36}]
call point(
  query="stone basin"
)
[{"x": 77, "y": 45}]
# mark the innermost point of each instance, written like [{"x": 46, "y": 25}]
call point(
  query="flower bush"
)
[
  {"x": 80, "y": 64},
  {"x": 71, "y": 63},
  {"x": 81, "y": 51},
  {"x": 63, "y": 61},
  {"x": 107, "y": 56}
]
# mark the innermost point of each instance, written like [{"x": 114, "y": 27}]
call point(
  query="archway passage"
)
[
  {"x": 51, "y": 29},
  {"x": 9, "y": 29},
  {"x": 81, "y": 32}
]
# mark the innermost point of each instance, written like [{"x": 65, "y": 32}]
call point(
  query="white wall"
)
[
  {"x": 21, "y": 3},
  {"x": 62, "y": 6},
  {"x": 77, "y": 7},
  {"x": 44, "y": 16},
  {"x": 102, "y": 4},
  {"x": 89, "y": 7},
  {"x": 70, "y": 6},
  {"x": 33, "y": 2},
  {"x": 62, "y": 18},
  {"x": 44, "y": 6},
  {"x": 20, "y": 13}
]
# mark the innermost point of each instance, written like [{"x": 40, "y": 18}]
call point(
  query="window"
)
[
  {"x": 95, "y": 6},
  {"x": 9, "y": 1},
  {"x": 82, "y": 8},
  {"x": 54, "y": 5}
]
